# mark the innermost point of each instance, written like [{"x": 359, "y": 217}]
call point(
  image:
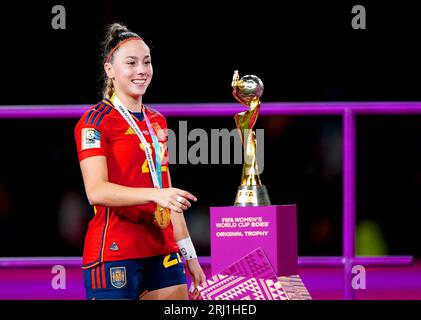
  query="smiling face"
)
[{"x": 131, "y": 69}]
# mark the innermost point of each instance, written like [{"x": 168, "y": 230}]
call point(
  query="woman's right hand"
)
[{"x": 174, "y": 199}]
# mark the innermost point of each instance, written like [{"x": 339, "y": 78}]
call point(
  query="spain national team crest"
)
[{"x": 118, "y": 277}]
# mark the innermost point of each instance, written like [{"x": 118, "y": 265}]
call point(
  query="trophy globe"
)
[{"x": 248, "y": 91}]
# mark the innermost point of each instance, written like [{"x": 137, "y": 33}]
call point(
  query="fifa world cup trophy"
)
[{"x": 248, "y": 91}]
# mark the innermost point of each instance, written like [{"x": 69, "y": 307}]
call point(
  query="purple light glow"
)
[
  {"x": 348, "y": 111},
  {"x": 222, "y": 109}
]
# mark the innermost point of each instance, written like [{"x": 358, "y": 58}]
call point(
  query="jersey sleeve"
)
[{"x": 91, "y": 135}]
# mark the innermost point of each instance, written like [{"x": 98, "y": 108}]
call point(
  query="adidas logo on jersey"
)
[{"x": 131, "y": 131}]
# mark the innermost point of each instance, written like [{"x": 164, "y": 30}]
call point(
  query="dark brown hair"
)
[{"x": 116, "y": 33}]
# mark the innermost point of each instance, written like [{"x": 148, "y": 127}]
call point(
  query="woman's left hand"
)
[{"x": 196, "y": 274}]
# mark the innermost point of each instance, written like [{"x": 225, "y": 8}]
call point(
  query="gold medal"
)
[{"x": 162, "y": 217}]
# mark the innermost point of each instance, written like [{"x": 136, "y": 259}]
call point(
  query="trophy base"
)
[{"x": 252, "y": 196}]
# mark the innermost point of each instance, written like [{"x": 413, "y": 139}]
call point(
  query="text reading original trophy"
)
[{"x": 248, "y": 91}]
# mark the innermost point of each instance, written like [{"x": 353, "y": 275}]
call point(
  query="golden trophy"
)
[{"x": 248, "y": 91}]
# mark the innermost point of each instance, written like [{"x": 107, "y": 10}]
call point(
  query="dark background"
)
[{"x": 302, "y": 52}]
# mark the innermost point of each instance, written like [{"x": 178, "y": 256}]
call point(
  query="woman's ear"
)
[{"x": 108, "y": 67}]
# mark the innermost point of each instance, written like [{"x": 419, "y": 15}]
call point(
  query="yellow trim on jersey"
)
[
  {"x": 105, "y": 235},
  {"x": 90, "y": 266}
]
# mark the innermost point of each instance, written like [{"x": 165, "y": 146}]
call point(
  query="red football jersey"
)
[{"x": 119, "y": 233}]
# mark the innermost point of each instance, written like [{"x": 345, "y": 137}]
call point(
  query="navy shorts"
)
[{"x": 128, "y": 279}]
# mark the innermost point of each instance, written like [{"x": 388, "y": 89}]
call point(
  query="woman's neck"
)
[{"x": 132, "y": 104}]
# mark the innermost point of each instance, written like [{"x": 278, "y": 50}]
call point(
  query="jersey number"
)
[
  {"x": 145, "y": 166},
  {"x": 169, "y": 263}
]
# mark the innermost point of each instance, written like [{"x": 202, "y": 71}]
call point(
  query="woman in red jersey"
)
[{"x": 132, "y": 243}]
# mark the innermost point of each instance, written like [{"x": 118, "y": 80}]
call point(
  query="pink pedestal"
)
[{"x": 236, "y": 231}]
